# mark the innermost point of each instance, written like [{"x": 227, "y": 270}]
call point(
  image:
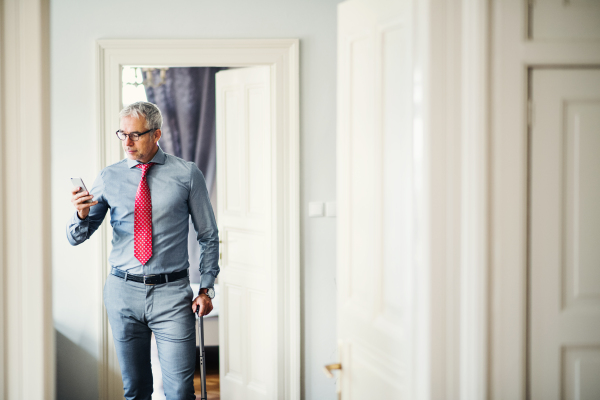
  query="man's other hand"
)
[
  {"x": 204, "y": 303},
  {"x": 78, "y": 199}
]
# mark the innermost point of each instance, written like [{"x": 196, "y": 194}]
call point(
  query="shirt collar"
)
[{"x": 159, "y": 158}]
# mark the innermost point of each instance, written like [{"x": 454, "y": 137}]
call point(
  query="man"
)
[{"x": 150, "y": 195}]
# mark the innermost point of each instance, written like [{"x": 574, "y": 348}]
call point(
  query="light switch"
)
[
  {"x": 315, "y": 209},
  {"x": 330, "y": 209}
]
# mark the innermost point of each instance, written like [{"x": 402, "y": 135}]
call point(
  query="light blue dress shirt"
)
[{"x": 178, "y": 190}]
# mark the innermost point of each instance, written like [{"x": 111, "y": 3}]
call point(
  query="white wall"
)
[{"x": 75, "y": 26}]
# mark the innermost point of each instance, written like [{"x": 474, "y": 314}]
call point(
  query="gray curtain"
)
[
  {"x": 187, "y": 102},
  {"x": 186, "y": 98}
]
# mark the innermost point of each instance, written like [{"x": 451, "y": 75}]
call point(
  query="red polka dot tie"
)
[{"x": 142, "y": 228}]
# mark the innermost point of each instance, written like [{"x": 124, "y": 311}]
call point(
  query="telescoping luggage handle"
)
[{"x": 200, "y": 334}]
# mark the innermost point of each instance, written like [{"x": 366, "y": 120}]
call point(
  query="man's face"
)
[{"x": 144, "y": 149}]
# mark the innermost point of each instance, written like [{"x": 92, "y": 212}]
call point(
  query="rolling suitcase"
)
[{"x": 200, "y": 335}]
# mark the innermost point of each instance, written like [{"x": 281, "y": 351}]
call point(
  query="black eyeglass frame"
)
[{"x": 130, "y": 135}]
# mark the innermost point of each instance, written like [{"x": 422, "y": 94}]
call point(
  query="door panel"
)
[
  {"x": 564, "y": 340},
  {"x": 248, "y": 354},
  {"x": 565, "y": 19},
  {"x": 231, "y": 149},
  {"x": 582, "y": 372},
  {"x": 257, "y": 109}
]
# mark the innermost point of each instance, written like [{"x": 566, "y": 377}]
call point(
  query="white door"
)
[
  {"x": 564, "y": 336},
  {"x": 247, "y": 321},
  {"x": 375, "y": 195}
]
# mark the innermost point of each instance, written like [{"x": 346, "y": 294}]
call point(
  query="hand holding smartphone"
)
[
  {"x": 82, "y": 206},
  {"x": 78, "y": 182}
]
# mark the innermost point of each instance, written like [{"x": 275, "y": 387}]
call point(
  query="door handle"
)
[{"x": 330, "y": 367}]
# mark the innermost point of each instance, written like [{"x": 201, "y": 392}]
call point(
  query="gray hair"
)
[{"x": 144, "y": 109}]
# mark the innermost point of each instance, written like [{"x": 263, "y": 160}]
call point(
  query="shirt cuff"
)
[
  {"x": 207, "y": 281},
  {"x": 75, "y": 220}
]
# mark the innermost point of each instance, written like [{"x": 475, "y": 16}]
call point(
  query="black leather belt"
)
[{"x": 150, "y": 279}]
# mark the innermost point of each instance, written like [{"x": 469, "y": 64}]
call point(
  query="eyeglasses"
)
[{"x": 133, "y": 136}]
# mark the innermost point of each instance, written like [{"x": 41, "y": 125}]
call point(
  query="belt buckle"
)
[{"x": 148, "y": 284}]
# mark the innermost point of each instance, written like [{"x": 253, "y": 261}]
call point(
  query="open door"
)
[
  {"x": 375, "y": 194},
  {"x": 249, "y": 354}
]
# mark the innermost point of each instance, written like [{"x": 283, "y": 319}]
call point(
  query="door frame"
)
[
  {"x": 513, "y": 56},
  {"x": 282, "y": 55},
  {"x": 27, "y": 334}
]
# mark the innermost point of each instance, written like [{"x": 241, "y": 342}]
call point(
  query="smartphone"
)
[{"x": 78, "y": 182}]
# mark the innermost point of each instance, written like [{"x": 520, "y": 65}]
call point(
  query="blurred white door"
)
[
  {"x": 248, "y": 353},
  {"x": 376, "y": 198},
  {"x": 564, "y": 324}
]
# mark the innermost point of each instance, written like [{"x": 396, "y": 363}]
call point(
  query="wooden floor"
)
[{"x": 212, "y": 385}]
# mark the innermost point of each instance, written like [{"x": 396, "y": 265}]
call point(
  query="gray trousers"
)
[{"x": 134, "y": 312}]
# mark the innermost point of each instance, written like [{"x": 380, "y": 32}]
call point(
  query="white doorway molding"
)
[
  {"x": 27, "y": 357},
  {"x": 282, "y": 56},
  {"x": 453, "y": 338}
]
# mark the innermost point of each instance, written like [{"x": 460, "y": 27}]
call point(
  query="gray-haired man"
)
[{"x": 151, "y": 196}]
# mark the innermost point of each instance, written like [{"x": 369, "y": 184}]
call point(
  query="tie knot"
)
[{"x": 144, "y": 167}]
